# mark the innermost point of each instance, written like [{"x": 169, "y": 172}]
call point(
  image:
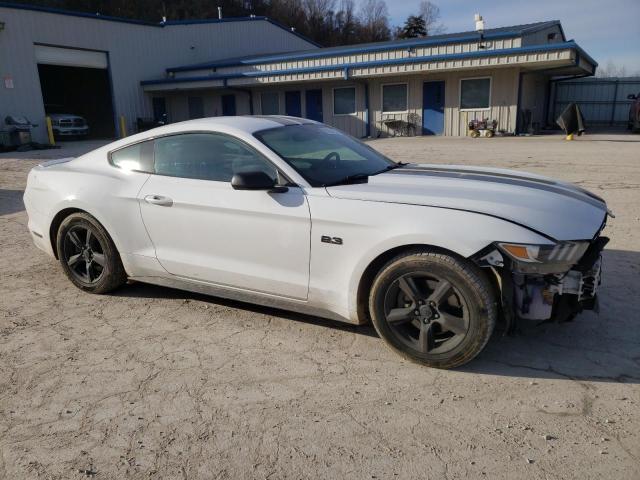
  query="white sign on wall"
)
[{"x": 8, "y": 81}]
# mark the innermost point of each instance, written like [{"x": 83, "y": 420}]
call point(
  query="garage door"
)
[{"x": 70, "y": 57}]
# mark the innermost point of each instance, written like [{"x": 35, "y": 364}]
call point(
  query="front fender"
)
[{"x": 370, "y": 229}]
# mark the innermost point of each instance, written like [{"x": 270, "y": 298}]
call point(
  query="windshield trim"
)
[{"x": 258, "y": 136}]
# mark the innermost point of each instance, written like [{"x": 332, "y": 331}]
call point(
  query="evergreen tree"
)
[{"x": 414, "y": 27}]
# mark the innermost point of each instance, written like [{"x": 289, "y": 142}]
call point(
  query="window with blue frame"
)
[{"x": 344, "y": 101}]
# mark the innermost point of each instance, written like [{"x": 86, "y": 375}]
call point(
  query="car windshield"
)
[{"x": 323, "y": 155}]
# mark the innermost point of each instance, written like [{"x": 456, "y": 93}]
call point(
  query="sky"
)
[{"x": 608, "y": 30}]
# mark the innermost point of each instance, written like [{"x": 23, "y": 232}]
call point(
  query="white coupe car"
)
[{"x": 291, "y": 213}]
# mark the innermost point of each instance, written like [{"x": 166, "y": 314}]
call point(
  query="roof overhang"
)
[{"x": 565, "y": 55}]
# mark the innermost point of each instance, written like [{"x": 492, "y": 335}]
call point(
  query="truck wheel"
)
[
  {"x": 88, "y": 255},
  {"x": 433, "y": 308}
]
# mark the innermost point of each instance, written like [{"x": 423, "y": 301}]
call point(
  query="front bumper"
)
[
  {"x": 560, "y": 297},
  {"x": 69, "y": 131}
]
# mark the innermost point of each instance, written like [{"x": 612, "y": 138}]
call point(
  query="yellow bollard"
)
[
  {"x": 569, "y": 137},
  {"x": 52, "y": 140},
  {"x": 123, "y": 127}
]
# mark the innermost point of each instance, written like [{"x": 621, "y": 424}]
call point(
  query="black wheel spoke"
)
[
  {"x": 98, "y": 258},
  {"x": 399, "y": 315},
  {"x": 88, "y": 271},
  {"x": 88, "y": 238},
  {"x": 73, "y": 236},
  {"x": 426, "y": 312},
  {"x": 440, "y": 292},
  {"x": 73, "y": 259},
  {"x": 408, "y": 286},
  {"x": 452, "y": 323},
  {"x": 425, "y": 340}
]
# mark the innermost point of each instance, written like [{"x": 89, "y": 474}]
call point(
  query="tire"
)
[
  {"x": 97, "y": 269},
  {"x": 433, "y": 308}
]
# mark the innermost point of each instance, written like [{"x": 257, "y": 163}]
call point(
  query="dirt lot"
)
[{"x": 157, "y": 383}]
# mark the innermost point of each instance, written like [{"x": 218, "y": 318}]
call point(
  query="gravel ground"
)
[{"x": 156, "y": 383}]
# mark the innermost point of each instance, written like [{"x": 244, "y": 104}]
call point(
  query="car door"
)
[{"x": 203, "y": 229}]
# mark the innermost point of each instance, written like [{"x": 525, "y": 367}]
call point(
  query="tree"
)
[
  {"x": 430, "y": 13},
  {"x": 413, "y": 27},
  {"x": 374, "y": 21}
]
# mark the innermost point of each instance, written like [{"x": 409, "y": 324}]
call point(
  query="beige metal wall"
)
[
  {"x": 353, "y": 124},
  {"x": 504, "y": 99},
  {"x": 178, "y": 103}
]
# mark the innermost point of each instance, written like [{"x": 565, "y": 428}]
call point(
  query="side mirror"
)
[
  {"x": 631, "y": 97},
  {"x": 255, "y": 181}
]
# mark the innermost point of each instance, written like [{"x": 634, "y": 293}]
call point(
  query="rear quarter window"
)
[{"x": 137, "y": 157}]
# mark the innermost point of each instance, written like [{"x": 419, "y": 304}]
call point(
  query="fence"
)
[{"x": 603, "y": 101}]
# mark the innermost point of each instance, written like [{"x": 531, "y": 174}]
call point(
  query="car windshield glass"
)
[{"x": 323, "y": 155}]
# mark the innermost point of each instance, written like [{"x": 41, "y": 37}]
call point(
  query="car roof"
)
[{"x": 245, "y": 123}]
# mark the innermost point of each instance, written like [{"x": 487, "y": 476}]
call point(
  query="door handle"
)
[{"x": 159, "y": 200}]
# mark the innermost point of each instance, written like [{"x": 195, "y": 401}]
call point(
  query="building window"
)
[
  {"x": 394, "y": 98},
  {"x": 475, "y": 93},
  {"x": 344, "y": 101},
  {"x": 270, "y": 103}
]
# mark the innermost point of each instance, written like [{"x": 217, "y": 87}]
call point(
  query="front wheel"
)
[
  {"x": 433, "y": 308},
  {"x": 88, "y": 255}
]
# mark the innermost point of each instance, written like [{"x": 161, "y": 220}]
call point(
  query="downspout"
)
[
  {"x": 517, "y": 129},
  {"x": 367, "y": 110}
]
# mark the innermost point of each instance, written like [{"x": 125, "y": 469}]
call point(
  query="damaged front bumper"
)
[{"x": 556, "y": 297}]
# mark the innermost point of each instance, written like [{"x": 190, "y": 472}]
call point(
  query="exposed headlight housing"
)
[{"x": 544, "y": 259}]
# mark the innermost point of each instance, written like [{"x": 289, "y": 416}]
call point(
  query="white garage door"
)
[{"x": 70, "y": 57}]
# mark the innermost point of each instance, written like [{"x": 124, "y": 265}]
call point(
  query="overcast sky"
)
[{"x": 608, "y": 30}]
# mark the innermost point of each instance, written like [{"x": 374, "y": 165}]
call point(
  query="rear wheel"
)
[
  {"x": 88, "y": 256},
  {"x": 433, "y": 308}
]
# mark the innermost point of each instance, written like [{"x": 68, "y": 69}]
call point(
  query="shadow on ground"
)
[
  {"x": 11, "y": 201},
  {"x": 598, "y": 347}
]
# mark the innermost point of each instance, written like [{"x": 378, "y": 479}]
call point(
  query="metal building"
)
[
  {"x": 432, "y": 85},
  {"x": 236, "y": 66},
  {"x": 92, "y": 64}
]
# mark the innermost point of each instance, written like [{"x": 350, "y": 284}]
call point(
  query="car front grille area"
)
[{"x": 76, "y": 122}]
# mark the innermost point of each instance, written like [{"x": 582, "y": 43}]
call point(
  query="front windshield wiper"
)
[{"x": 363, "y": 177}]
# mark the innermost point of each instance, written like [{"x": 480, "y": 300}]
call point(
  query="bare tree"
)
[
  {"x": 612, "y": 70},
  {"x": 346, "y": 23},
  {"x": 430, "y": 13},
  {"x": 374, "y": 21}
]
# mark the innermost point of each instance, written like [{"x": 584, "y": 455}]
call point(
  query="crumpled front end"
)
[{"x": 556, "y": 289}]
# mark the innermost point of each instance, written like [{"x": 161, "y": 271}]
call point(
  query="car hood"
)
[{"x": 556, "y": 209}]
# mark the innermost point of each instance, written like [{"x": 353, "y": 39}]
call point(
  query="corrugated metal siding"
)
[
  {"x": 136, "y": 53},
  {"x": 541, "y": 36},
  {"x": 603, "y": 101},
  {"x": 355, "y": 124},
  {"x": 504, "y": 98}
]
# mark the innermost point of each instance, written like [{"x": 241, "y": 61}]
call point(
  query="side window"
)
[
  {"x": 206, "y": 156},
  {"x": 137, "y": 157}
]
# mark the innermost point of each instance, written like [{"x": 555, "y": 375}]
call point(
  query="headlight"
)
[{"x": 544, "y": 259}]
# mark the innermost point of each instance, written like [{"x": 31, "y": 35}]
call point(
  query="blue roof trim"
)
[
  {"x": 343, "y": 51},
  {"x": 97, "y": 16},
  {"x": 396, "y": 61}
]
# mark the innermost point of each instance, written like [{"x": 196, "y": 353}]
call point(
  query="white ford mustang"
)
[{"x": 291, "y": 213}]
